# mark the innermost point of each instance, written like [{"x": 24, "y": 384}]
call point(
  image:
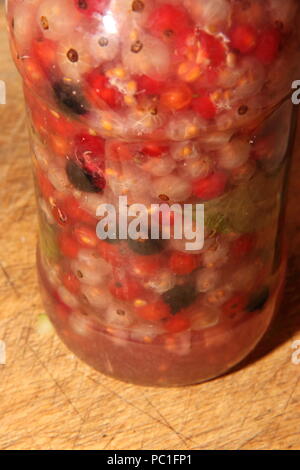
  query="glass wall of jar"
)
[{"x": 173, "y": 102}]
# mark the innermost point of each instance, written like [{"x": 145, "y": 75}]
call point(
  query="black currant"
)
[
  {"x": 258, "y": 300},
  {"x": 180, "y": 297},
  {"x": 145, "y": 246},
  {"x": 70, "y": 97},
  {"x": 81, "y": 179}
]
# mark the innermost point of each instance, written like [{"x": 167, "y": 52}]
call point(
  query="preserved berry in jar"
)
[{"x": 159, "y": 101}]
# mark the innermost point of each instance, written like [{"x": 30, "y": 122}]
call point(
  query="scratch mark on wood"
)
[
  {"x": 10, "y": 282},
  {"x": 162, "y": 421},
  {"x": 57, "y": 385},
  {"x": 168, "y": 424}
]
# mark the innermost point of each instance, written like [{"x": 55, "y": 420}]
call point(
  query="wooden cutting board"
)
[{"x": 50, "y": 400}]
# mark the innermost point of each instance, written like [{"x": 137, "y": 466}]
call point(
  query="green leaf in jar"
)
[
  {"x": 216, "y": 221},
  {"x": 248, "y": 207},
  {"x": 47, "y": 239}
]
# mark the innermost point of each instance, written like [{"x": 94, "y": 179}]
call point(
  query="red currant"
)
[
  {"x": 46, "y": 188},
  {"x": 145, "y": 266},
  {"x": 89, "y": 143},
  {"x": 89, "y": 154},
  {"x": 34, "y": 74},
  {"x": 125, "y": 289},
  {"x": 168, "y": 20},
  {"x": 210, "y": 187},
  {"x": 60, "y": 217},
  {"x": 268, "y": 46},
  {"x": 204, "y": 106},
  {"x": 153, "y": 149},
  {"x": 154, "y": 311},
  {"x": 111, "y": 253},
  {"x": 148, "y": 85},
  {"x": 101, "y": 90},
  {"x": 235, "y": 305},
  {"x": 59, "y": 124},
  {"x": 176, "y": 97},
  {"x": 177, "y": 324},
  {"x": 44, "y": 50},
  {"x": 243, "y": 245},
  {"x": 71, "y": 282},
  {"x": 85, "y": 236},
  {"x": 212, "y": 47},
  {"x": 120, "y": 151},
  {"x": 68, "y": 246},
  {"x": 183, "y": 263},
  {"x": 243, "y": 38},
  {"x": 70, "y": 206},
  {"x": 61, "y": 310}
]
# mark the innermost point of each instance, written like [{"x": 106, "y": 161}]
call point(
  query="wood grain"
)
[{"x": 50, "y": 400}]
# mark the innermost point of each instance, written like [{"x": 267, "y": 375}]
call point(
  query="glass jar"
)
[{"x": 154, "y": 102}]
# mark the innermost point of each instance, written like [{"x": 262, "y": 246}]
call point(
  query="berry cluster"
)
[{"x": 162, "y": 101}]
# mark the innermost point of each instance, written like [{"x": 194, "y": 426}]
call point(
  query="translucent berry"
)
[
  {"x": 89, "y": 7},
  {"x": 97, "y": 297},
  {"x": 102, "y": 47},
  {"x": 119, "y": 316},
  {"x": 207, "y": 279},
  {"x": 89, "y": 268},
  {"x": 151, "y": 60},
  {"x": 174, "y": 187},
  {"x": 73, "y": 58},
  {"x": 57, "y": 19},
  {"x": 234, "y": 154},
  {"x": 159, "y": 166},
  {"x": 163, "y": 281}
]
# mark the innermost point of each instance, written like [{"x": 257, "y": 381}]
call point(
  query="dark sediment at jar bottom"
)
[{"x": 173, "y": 360}]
